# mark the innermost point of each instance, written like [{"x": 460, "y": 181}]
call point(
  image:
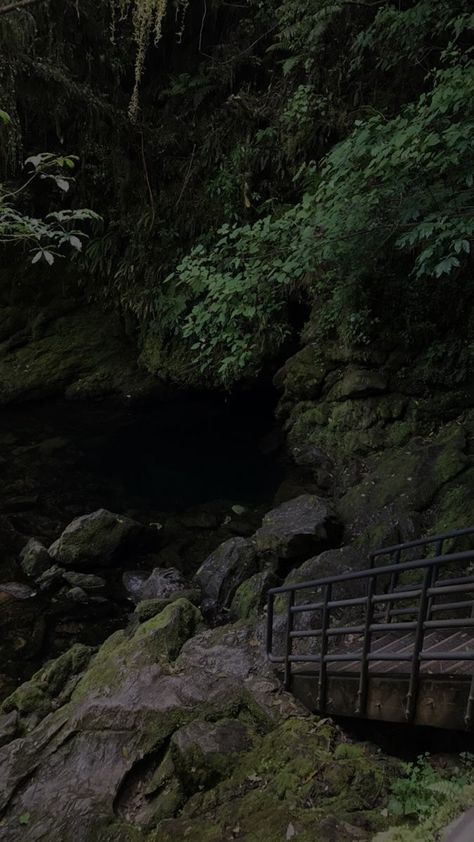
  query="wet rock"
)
[
  {"x": 329, "y": 563},
  {"x": 34, "y": 558},
  {"x": 51, "y": 577},
  {"x": 225, "y": 569},
  {"x": 8, "y": 727},
  {"x": 297, "y": 528},
  {"x": 102, "y": 765},
  {"x": 76, "y": 595},
  {"x": 205, "y": 752},
  {"x": 96, "y": 538},
  {"x": 49, "y": 687},
  {"x": 250, "y": 596},
  {"x": 148, "y": 608},
  {"x": 160, "y": 584},
  {"x": 163, "y": 583},
  {"x": 15, "y": 590},
  {"x": 405, "y": 480},
  {"x": 87, "y": 581},
  {"x": 133, "y": 582}
]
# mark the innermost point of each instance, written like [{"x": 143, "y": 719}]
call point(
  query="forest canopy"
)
[{"x": 251, "y": 162}]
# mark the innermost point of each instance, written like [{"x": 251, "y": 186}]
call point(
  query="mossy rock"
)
[
  {"x": 36, "y": 697},
  {"x": 300, "y": 774},
  {"x": 158, "y": 639},
  {"x": 250, "y": 597}
]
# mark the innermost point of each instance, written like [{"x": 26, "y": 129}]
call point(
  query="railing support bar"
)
[
  {"x": 364, "y": 666},
  {"x": 418, "y": 646},
  {"x": 289, "y": 641},
  {"x": 323, "y": 667}
]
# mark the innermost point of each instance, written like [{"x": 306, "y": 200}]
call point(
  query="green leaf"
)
[{"x": 24, "y": 818}]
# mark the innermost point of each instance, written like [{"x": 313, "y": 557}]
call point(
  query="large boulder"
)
[
  {"x": 116, "y": 762},
  {"x": 94, "y": 539},
  {"x": 298, "y": 528},
  {"x": 225, "y": 569}
]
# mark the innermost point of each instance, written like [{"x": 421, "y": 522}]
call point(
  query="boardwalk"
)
[{"x": 394, "y": 642}]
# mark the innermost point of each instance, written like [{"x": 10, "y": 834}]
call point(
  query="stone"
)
[
  {"x": 52, "y": 576},
  {"x": 406, "y": 479},
  {"x": 86, "y": 581},
  {"x": 148, "y": 608},
  {"x": 94, "y": 539},
  {"x": 15, "y": 590},
  {"x": 133, "y": 581},
  {"x": 297, "y": 528},
  {"x": 329, "y": 563},
  {"x": 250, "y": 596},
  {"x": 76, "y": 595},
  {"x": 102, "y": 764},
  {"x": 8, "y": 727},
  {"x": 160, "y": 584},
  {"x": 225, "y": 569},
  {"x": 34, "y": 558},
  {"x": 34, "y": 699},
  {"x": 205, "y": 752}
]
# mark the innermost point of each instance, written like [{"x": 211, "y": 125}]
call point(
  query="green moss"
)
[
  {"x": 27, "y": 699},
  {"x": 36, "y": 695},
  {"x": 295, "y": 774},
  {"x": 159, "y": 640}
]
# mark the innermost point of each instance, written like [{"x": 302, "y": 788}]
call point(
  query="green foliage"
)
[
  {"x": 49, "y": 237},
  {"x": 422, "y": 788},
  {"x": 428, "y": 798},
  {"x": 310, "y": 151}
]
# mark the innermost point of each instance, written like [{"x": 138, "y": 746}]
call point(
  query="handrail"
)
[
  {"x": 421, "y": 598},
  {"x": 466, "y": 555},
  {"x": 420, "y": 542}
]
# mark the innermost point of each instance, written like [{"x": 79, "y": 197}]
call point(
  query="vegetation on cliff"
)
[{"x": 281, "y": 155}]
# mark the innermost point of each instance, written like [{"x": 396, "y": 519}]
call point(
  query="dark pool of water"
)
[
  {"x": 191, "y": 451},
  {"x": 168, "y": 456}
]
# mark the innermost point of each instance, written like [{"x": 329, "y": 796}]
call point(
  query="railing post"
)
[
  {"x": 364, "y": 666},
  {"x": 289, "y": 640},
  {"x": 417, "y": 647},
  {"x": 469, "y": 706},
  {"x": 433, "y": 577},
  {"x": 323, "y": 667},
  {"x": 392, "y": 585},
  {"x": 269, "y": 642}
]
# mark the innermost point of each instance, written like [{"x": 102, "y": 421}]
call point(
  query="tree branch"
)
[{"x": 20, "y": 4}]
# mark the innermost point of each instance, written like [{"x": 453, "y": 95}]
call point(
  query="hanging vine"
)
[{"x": 147, "y": 19}]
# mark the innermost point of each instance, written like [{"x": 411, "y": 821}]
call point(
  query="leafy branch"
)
[{"x": 50, "y": 237}]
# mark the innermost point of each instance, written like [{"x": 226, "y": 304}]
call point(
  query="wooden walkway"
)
[{"x": 394, "y": 642}]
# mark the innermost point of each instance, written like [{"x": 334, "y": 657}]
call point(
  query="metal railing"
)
[{"x": 378, "y": 603}]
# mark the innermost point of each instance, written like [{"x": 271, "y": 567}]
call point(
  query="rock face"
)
[
  {"x": 297, "y": 528},
  {"x": 225, "y": 569},
  {"x": 94, "y": 539},
  {"x": 160, "y": 739},
  {"x": 66, "y": 349}
]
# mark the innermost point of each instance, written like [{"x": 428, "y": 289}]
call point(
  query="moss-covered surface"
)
[
  {"x": 69, "y": 349},
  {"x": 158, "y": 639},
  {"x": 301, "y": 774},
  {"x": 50, "y": 686}
]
